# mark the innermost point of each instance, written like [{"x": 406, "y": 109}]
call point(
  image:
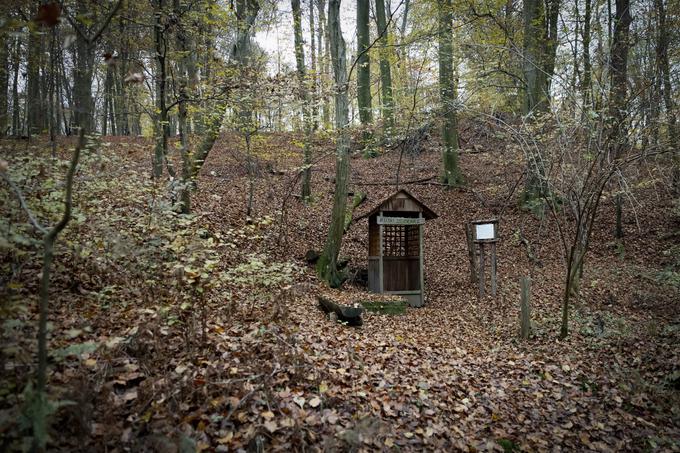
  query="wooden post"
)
[
  {"x": 421, "y": 258},
  {"x": 493, "y": 269},
  {"x": 481, "y": 269},
  {"x": 525, "y": 309},
  {"x": 471, "y": 252},
  {"x": 380, "y": 263}
]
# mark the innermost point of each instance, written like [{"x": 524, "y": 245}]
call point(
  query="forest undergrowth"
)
[{"x": 203, "y": 333}]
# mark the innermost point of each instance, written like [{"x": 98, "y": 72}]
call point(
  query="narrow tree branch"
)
[{"x": 22, "y": 202}]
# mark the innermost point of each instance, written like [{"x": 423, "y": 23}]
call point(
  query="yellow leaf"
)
[
  {"x": 90, "y": 363},
  {"x": 226, "y": 439},
  {"x": 271, "y": 426}
]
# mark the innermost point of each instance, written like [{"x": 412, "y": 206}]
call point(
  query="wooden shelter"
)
[{"x": 395, "y": 247}]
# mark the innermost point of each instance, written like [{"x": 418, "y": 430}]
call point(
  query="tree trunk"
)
[
  {"x": 108, "y": 93},
  {"x": 550, "y": 45},
  {"x": 665, "y": 73},
  {"x": 162, "y": 125},
  {"x": 313, "y": 81},
  {"x": 327, "y": 267},
  {"x": 39, "y": 421},
  {"x": 82, "y": 76},
  {"x": 447, "y": 88},
  {"x": 4, "y": 83},
  {"x": 34, "y": 110},
  {"x": 242, "y": 53},
  {"x": 575, "y": 59},
  {"x": 16, "y": 105},
  {"x": 364, "y": 70},
  {"x": 304, "y": 97},
  {"x": 82, "y": 85},
  {"x": 182, "y": 113},
  {"x": 385, "y": 70},
  {"x": 619, "y": 82},
  {"x": 534, "y": 61},
  {"x": 51, "y": 99},
  {"x": 586, "y": 83},
  {"x": 324, "y": 62},
  {"x": 120, "y": 99}
]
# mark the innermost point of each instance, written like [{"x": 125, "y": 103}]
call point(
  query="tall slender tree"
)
[
  {"x": 324, "y": 55},
  {"x": 535, "y": 98},
  {"x": 451, "y": 175},
  {"x": 4, "y": 82},
  {"x": 586, "y": 79},
  {"x": 162, "y": 123},
  {"x": 327, "y": 266},
  {"x": 664, "y": 71},
  {"x": 34, "y": 97},
  {"x": 385, "y": 70},
  {"x": 364, "y": 100},
  {"x": 313, "y": 76},
  {"x": 304, "y": 97},
  {"x": 618, "y": 73}
]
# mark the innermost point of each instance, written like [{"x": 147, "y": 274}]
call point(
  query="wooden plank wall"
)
[{"x": 401, "y": 273}]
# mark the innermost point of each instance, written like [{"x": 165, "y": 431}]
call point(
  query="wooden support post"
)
[
  {"x": 421, "y": 258},
  {"x": 493, "y": 269},
  {"x": 381, "y": 286},
  {"x": 525, "y": 309},
  {"x": 471, "y": 252},
  {"x": 481, "y": 269}
]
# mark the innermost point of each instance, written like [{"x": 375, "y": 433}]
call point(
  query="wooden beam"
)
[
  {"x": 481, "y": 269},
  {"x": 346, "y": 313},
  {"x": 525, "y": 308},
  {"x": 380, "y": 265},
  {"x": 493, "y": 269},
  {"x": 471, "y": 252},
  {"x": 421, "y": 261}
]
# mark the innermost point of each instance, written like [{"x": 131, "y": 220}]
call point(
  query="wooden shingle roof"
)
[{"x": 403, "y": 201}]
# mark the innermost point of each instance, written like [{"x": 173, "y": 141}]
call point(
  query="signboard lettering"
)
[{"x": 400, "y": 221}]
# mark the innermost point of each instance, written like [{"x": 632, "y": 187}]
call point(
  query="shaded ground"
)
[{"x": 277, "y": 373}]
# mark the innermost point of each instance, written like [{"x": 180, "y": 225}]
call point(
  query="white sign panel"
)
[
  {"x": 484, "y": 231},
  {"x": 400, "y": 221}
]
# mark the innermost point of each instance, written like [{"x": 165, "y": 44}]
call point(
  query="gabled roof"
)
[{"x": 387, "y": 205}]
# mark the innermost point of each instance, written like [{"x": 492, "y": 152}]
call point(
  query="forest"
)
[{"x": 339, "y": 225}]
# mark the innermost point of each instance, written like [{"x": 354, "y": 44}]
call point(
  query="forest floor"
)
[{"x": 259, "y": 365}]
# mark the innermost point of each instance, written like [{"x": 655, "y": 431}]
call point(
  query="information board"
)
[{"x": 484, "y": 231}]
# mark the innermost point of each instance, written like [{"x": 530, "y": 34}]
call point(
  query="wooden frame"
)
[
  {"x": 396, "y": 247},
  {"x": 479, "y": 242},
  {"x": 492, "y": 223}
]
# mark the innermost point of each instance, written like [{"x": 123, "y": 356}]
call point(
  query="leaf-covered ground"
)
[{"x": 274, "y": 372}]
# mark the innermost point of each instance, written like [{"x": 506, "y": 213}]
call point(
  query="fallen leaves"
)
[{"x": 449, "y": 376}]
